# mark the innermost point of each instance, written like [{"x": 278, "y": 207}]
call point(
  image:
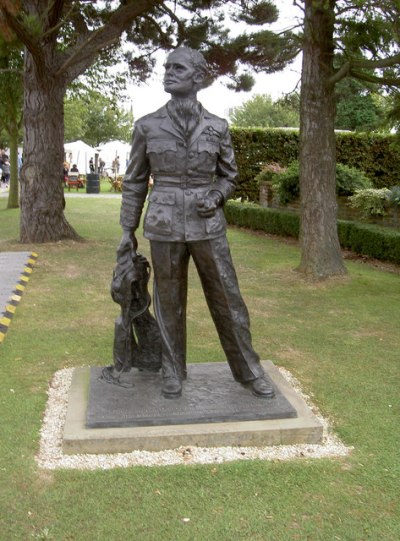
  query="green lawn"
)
[
  {"x": 105, "y": 187},
  {"x": 341, "y": 339}
]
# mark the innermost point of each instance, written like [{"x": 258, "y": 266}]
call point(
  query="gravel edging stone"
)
[{"x": 51, "y": 457}]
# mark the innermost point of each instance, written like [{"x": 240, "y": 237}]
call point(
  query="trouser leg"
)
[
  {"x": 218, "y": 277},
  {"x": 170, "y": 264}
]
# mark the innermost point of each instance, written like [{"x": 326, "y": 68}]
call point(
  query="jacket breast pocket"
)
[
  {"x": 159, "y": 214},
  {"x": 207, "y": 153},
  {"x": 162, "y": 155}
]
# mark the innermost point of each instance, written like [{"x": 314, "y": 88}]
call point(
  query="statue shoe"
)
[
  {"x": 171, "y": 387},
  {"x": 262, "y": 387}
]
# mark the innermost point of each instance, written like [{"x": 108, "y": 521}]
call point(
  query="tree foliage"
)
[
  {"x": 393, "y": 112},
  {"x": 96, "y": 119},
  {"x": 359, "y": 108},
  {"x": 261, "y": 111}
]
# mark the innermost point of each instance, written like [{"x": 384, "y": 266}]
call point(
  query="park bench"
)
[{"x": 75, "y": 181}]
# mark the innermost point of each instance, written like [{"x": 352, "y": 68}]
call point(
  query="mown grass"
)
[
  {"x": 340, "y": 338},
  {"x": 105, "y": 187}
]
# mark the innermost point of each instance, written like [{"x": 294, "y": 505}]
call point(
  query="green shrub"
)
[
  {"x": 371, "y": 202},
  {"x": 269, "y": 172},
  {"x": 348, "y": 180},
  {"x": 271, "y": 221},
  {"x": 370, "y": 240},
  {"x": 287, "y": 184}
]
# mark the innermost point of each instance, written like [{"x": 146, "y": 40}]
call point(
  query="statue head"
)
[{"x": 185, "y": 72}]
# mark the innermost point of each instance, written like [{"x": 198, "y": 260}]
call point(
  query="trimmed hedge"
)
[
  {"x": 270, "y": 220},
  {"x": 375, "y": 154},
  {"x": 370, "y": 240}
]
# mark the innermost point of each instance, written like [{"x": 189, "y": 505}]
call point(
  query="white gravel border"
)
[{"x": 51, "y": 457}]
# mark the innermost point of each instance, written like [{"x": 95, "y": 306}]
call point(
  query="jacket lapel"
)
[
  {"x": 168, "y": 126},
  {"x": 201, "y": 126}
]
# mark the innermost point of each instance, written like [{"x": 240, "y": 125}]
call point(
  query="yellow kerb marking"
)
[
  {"x": 5, "y": 321},
  {"x": 24, "y": 278},
  {"x": 28, "y": 269},
  {"x": 16, "y": 298},
  {"x": 10, "y": 308},
  {"x": 20, "y": 287}
]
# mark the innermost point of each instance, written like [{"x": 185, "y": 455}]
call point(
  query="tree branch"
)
[
  {"x": 389, "y": 81},
  {"x": 348, "y": 67},
  {"x": 378, "y": 64},
  {"x": 180, "y": 25},
  {"x": 82, "y": 55},
  {"x": 340, "y": 74}
]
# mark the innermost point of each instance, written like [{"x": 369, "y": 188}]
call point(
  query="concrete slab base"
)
[
  {"x": 78, "y": 439},
  {"x": 210, "y": 395}
]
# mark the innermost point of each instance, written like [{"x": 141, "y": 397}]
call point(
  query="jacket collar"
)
[{"x": 168, "y": 126}]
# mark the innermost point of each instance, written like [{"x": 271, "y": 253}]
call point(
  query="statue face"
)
[{"x": 180, "y": 79}]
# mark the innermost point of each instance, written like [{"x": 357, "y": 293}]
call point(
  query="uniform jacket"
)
[{"x": 183, "y": 172}]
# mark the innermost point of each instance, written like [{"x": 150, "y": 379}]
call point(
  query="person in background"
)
[
  {"x": 116, "y": 165},
  {"x": 6, "y": 170},
  {"x": 102, "y": 164},
  {"x": 65, "y": 171}
]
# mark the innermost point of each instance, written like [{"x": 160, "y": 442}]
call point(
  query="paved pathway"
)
[{"x": 15, "y": 270}]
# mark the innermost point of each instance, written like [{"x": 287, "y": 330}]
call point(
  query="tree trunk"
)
[
  {"x": 321, "y": 254},
  {"x": 42, "y": 192},
  {"x": 13, "y": 190}
]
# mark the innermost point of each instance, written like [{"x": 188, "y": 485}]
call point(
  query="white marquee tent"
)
[
  {"x": 80, "y": 153},
  {"x": 113, "y": 149}
]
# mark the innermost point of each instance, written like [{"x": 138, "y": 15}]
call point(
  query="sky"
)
[{"x": 149, "y": 96}]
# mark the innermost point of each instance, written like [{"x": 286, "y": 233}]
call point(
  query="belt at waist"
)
[{"x": 183, "y": 181}]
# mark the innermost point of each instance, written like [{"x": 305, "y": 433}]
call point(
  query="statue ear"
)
[{"x": 198, "y": 78}]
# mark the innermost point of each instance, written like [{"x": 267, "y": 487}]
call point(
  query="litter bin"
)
[{"x": 92, "y": 183}]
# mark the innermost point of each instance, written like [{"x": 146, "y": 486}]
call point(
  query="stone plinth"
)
[{"x": 78, "y": 438}]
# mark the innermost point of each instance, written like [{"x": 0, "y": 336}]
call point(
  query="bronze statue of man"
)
[{"x": 188, "y": 152}]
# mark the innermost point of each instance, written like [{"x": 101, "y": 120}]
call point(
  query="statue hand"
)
[
  {"x": 127, "y": 246},
  {"x": 207, "y": 206}
]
